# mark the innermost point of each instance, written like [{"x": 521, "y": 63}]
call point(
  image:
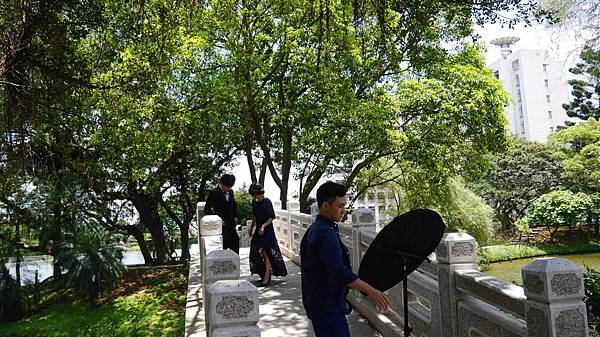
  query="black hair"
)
[
  {"x": 329, "y": 191},
  {"x": 256, "y": 189},
  {"x": 228, "y": 180}
]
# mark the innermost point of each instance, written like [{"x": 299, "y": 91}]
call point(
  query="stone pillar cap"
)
[
  {"x": 293, "y": 206},
  {"x": 363, "y": 217},
  {"x": 456, "y": 248},
  {"x": 548, "y": 280},
  {"x": 547, "y": 264},
  {"x": 211, "y": 225}
]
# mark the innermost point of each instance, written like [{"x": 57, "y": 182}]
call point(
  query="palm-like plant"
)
[
  {"x": 92, "y": 257},
  {"x": 9, "y": 304}
]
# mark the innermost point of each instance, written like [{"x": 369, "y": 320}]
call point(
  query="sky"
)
[{"x": 561, "y": 46}]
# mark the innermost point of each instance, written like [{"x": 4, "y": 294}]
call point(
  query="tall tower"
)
[{"x": 538, "y": 87}]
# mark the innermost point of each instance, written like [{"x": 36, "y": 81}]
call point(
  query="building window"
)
[
  {"x": 496, "y": 74},
  {"x": 546, "y": 83},
  {"x": 515, "y": 65},
  {"x": 545, "y": 66},
  {"x": 549, "y": 114},
  {"x": 548, "y": 98},
  {"x": 551, "y": 129}
]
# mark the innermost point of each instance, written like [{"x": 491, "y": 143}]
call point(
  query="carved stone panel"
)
[
  {"x": 565, "y": 284},
  {"x": 537, "y": 323},
  {"x": 534, "y": 284},
  {"x": 222, "y": 267},
  {"x": 460, "y": 249},
  {"x": 233, "y": 302},
  {"x": 570, "y": 323},
  {"x": 234, "y": 307},
  {"x": 441, "y": 251},
  {"x": 457, "y": 248}
]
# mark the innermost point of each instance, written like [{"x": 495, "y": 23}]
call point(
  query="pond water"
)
[
  {"x": 511, "y": 270},
  {"x": 43, "y": 265}
]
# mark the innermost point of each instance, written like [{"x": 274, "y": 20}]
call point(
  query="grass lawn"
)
[
  {"x": 148, "y": 302},
  {"x": 499, "y": 253}
]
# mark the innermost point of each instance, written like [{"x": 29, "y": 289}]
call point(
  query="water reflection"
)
[{"x": 43, "y": 265}]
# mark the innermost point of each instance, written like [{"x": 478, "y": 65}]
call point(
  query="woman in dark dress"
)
[{"x": 265, "y": 256}]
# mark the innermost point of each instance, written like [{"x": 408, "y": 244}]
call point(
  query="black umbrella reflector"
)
[{"x": 410, "y": 237}]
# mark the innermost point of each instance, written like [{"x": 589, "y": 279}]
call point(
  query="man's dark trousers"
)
[{"x": 334, "y": 325}]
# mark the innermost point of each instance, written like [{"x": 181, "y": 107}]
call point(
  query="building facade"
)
[{"x": 538, "y": 87}]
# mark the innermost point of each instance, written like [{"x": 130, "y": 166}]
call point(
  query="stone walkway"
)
[{"x": 281, "y": 311}]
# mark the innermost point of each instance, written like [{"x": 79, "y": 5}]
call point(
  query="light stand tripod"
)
[{"x": 404, "y": 257}]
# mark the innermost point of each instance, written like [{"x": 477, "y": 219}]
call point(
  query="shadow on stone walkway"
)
[{"x": 281, "y": 311}]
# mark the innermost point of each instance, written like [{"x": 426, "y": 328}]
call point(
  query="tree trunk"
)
[
  {"x": 147, "y": 207},
  {"x": 139, "y": 237},
  {"x": 311, "y": 181},
  {"x": 185, "y": 242},
  {"x": 248, "y": 150},
  {"x": 18, "y": 310},
  {"x": 263, "y": 173}
]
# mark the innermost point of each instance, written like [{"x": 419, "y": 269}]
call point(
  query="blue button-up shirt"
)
[{"x": 326, "y": 269}]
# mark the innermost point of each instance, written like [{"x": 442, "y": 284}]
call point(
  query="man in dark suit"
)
[{"x": 221, "y": 202}]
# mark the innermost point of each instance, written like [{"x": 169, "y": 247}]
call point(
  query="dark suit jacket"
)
[{"x": 217, "y": 204}]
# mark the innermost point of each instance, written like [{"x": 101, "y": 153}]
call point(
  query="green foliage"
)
[
  {"x": 146, "y": 302},
  {"x": 591, "y": 282},
  {"x": 580, "y": 152},
  {"x": 139, "y": 314},
  {"x": 586, "y": 87},
  {"x": 92, "y": 258},
  {"x": 499, "y": 253},
  {"x": 244, "y": 205},
  {"x": 514, "y": 179},
  {"x": 560, "y": 208},
  {"x": 461, "y": 209}
]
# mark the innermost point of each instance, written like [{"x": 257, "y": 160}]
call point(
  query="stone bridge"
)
[{"x": 448, "y": 297}]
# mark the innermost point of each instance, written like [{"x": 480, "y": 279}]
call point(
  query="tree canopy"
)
[{"x": 586, "y": 86}]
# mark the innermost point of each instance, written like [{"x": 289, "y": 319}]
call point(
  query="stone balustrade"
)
[
  {"x": 449, "y": 297},
  {"x": 230, "y": 306}
]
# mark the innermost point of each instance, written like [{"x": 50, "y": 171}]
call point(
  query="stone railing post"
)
[
  {"x": 293, "y": 207},
  {"x": 456, "y": 251},
  {"x": 233, "y": 309},
  {"x": 314, "y": 211},
  {"x": 555, "y": 292},
  {"x": 210, "y": 229},
  {"x": 362, "y": 219},
  {"x": 218, "y": 265},
  {"x": 199, "y": 213}
]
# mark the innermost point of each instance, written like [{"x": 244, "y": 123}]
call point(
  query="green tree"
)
[
  {"x": 516, "y": 178},
  {"x": 244, "y": 205},
  {"x": 586, "y": 87},
  {"x": 580, "y": 152},
  {"x": 559, "y": 208},
  {"x": 461, "y": 209},
  {"x": 92, "y": 257},
  {"x": 299, "y": 65}
]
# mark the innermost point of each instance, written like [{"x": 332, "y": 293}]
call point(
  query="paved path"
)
[{"x": 281, "y": 311}]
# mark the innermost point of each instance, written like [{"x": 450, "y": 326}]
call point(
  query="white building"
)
[{"x": 538, "y": 87}]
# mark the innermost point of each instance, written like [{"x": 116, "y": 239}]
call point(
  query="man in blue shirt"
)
[{"x": 326, "y": 271}]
